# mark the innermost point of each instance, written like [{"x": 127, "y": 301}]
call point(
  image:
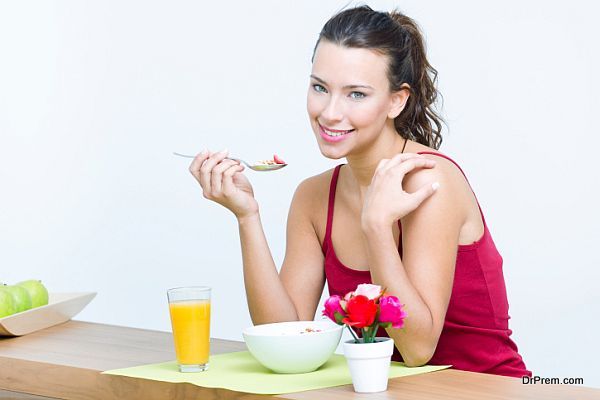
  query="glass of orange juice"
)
[{"x": 190, "y": 319}]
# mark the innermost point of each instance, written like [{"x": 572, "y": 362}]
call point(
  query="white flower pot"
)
[{"x": 369, "y": 364}]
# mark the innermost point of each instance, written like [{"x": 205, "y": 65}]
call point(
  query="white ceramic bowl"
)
[{"x": 293, "y": 347}]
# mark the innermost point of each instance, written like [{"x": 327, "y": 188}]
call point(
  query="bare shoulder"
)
[
  {"x": 313, "y": 189},
  {"x": 445, "y": 171},
  {"x": 454, "y": 201},
  {"x": 311, "y": 200},
  {"x": 454, "y": 189}
]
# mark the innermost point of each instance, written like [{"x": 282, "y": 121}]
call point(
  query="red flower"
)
[{"x": 360, "y": 311}]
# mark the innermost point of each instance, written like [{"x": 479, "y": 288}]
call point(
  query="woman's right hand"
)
[{"x": 222, "y": 182}]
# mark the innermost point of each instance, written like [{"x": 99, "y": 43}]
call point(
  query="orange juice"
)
[{"x": 190, "y": 320}]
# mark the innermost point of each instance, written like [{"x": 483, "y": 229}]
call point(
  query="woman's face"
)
[{"x": 349, "y": 100}]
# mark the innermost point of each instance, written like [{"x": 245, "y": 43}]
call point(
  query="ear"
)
[{"x": 398, "y": 101}]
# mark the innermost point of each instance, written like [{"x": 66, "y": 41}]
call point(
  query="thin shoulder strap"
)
[{"x": 332, "y": 187}]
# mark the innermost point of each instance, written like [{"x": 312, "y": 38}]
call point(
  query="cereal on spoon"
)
[{"x": 275, "y": 160}]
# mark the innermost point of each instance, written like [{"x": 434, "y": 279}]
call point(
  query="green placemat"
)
[{"x": 241, "y": 372}]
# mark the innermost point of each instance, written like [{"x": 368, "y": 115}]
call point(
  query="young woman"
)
[{"x": 398, "y": 214}]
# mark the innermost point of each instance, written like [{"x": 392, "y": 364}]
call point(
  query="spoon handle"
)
[
  {"x": 240, "y": 161},
  {"x": 183, "y": 155},
  {"x": 229, "y": 158}
]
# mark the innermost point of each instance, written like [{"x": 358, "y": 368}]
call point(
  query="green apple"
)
[
  {"x": 21, "y": 296},
  {"x": 37, "y": 291},
  {"x": 7, "y": 302}
]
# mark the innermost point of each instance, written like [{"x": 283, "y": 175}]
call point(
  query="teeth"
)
[{"x": 334, "y": 134}]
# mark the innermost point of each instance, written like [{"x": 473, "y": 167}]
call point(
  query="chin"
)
[{"x": 331, "y": 153}]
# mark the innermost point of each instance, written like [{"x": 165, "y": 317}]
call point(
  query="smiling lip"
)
[{"x": 333, "y": 135}]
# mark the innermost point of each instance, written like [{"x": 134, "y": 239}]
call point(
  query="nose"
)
[{"x": 333, "y": 111}]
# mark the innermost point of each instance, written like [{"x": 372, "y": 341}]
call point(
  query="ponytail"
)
[{"x": 419, "y": 120}]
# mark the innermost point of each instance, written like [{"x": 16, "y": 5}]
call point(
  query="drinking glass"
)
[{"x": 190, "y": 319}]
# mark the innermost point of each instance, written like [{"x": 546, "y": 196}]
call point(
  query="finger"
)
[
  {"x": 202, "y": 178},
  {"x": 217, "y": 174},
  {"x": 207, "y": 166},
  {"x": 402, "y": 157},
  {"x": 381, "y": 165},
  {"x": 407, "y": 166},
  {"x": 424, "y": 192},
  {"x": 197, "y": 163},
  {"x": 228, "y": 187}
]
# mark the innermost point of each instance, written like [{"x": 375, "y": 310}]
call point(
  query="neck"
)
[{"x": 362, "y": 166}]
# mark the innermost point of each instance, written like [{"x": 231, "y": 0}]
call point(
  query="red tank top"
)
[{"x": 475, "y": 336}]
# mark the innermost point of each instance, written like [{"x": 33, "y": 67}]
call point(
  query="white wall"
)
[{"x": 94, "y": 97}]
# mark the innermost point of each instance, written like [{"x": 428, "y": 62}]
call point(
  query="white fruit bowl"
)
[
  {"x": 293, "y": 347},
  {"x": 61, "y": 307}
]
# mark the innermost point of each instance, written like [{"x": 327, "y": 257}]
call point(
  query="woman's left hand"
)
[{"x": 385, "y": 200}]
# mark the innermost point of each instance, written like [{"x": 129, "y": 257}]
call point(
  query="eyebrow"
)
[{"x": 316, "y": 78}]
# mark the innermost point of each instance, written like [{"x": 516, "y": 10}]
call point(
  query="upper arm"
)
[
  {"x": 302, "y": 272},
  {"x": 430, "y": 236}
]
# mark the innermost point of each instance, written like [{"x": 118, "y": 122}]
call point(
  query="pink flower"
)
[
  {"x": 371, "y": 292},
  {"x": 333, "y": 310},
  {"x": 390, "y": 310}
]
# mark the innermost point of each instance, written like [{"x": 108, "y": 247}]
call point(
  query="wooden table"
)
[{"x": 65, "y": 362}]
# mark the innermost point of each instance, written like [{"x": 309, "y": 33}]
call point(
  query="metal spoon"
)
[{"x": 255, "y": 167}]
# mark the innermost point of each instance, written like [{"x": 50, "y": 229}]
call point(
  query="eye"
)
[
  {"x": 319, "y": 88},
  {"x": 357, "y": 95}
]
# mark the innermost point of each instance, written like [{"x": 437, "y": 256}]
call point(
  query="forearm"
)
[
  {"x": 268, "y": 301},
  {"x": 418, "y": 339}
]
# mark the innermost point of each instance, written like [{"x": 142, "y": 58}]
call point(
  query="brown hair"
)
[{"x": 399, "y": 38}]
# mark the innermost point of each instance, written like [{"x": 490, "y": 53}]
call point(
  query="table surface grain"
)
[{"x": 65, "y": 362}]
